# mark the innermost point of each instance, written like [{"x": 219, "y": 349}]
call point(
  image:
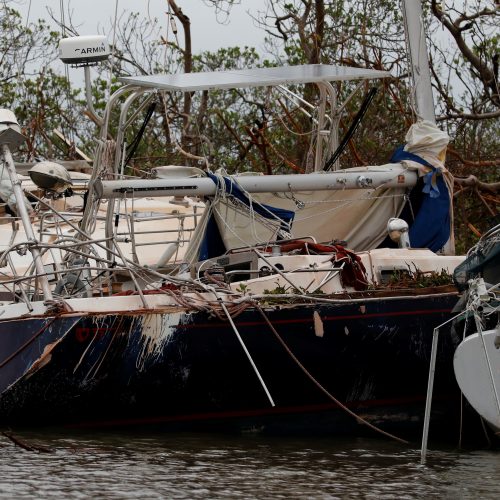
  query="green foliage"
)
[
  {"x": 279, "y": 290},
  {"x": 242, "y": 288},
  {"x": 414, "y": 278}
]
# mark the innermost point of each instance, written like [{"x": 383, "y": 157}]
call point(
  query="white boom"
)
[{"x": 390, "y": 175}]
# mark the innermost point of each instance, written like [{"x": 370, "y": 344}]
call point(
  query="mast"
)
[
  {"x": 419, "y": 63},
  {"x": 423, "y": 101}
]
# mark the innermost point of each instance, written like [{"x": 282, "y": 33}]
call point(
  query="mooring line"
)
[{"x": 359, "y": 419}]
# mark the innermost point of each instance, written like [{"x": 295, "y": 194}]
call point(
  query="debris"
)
[
  {"x": 319, "y": 329},
  {"x": 25, "y": 446}
]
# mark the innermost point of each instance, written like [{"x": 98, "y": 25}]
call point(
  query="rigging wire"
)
[
  {"x": 411, "y": 97},
  {"x": 28, "y": 14},
  {"x": 352, "y": 129},
  {"x": 135, "y": 143},
  {"x": 113, "y": 52},
  {"x": 163, "y": 93},
  {"x": 63, "y": 20},
  {"x": 69, "y": 102}
]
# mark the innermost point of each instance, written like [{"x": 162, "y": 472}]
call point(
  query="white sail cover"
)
[{"x": 358, "y": 216}]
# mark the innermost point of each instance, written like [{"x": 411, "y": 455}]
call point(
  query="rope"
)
[
  {"x": 28, "y": 342},
  {"x": 485, "y": 430},
  {"x": 359, "y": 419}
]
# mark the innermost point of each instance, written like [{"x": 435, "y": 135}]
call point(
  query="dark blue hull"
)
[{"x": 103, "y": 370}]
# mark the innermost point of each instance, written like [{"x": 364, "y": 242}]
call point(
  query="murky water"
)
[{"x": 206, "y": 466}]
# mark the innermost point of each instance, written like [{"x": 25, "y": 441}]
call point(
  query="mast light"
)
[{"x": 10, "y": 131}]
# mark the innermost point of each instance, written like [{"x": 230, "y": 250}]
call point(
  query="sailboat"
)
[
  {"x": 279, "y": 315},
  {"x": 477, "y": 358}
]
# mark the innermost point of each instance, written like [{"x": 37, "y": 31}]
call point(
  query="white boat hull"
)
[{"x": 477, "y": 370}]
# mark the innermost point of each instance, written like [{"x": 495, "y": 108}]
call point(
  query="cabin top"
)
[{"x": 256, "y": 77}]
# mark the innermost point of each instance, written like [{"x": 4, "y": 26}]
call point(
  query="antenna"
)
[{"x": 84, "y": 51}]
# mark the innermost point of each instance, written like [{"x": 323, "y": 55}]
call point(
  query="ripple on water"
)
[{"x": 207, "y": 466}]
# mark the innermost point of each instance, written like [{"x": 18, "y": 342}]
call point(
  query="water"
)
[{"x": 147, "y": 466}]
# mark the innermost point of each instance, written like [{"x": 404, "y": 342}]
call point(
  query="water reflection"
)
[{"x": 206, "y": 466}]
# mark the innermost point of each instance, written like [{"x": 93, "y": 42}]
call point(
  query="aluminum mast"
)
[{"x": 419, "y": 62}]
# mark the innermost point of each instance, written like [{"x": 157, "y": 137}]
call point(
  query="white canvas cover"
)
[
  {"x": 429, "y": 142},
  {"x": 425, "y": 139},
  {"x": 358, "y": 216}
]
